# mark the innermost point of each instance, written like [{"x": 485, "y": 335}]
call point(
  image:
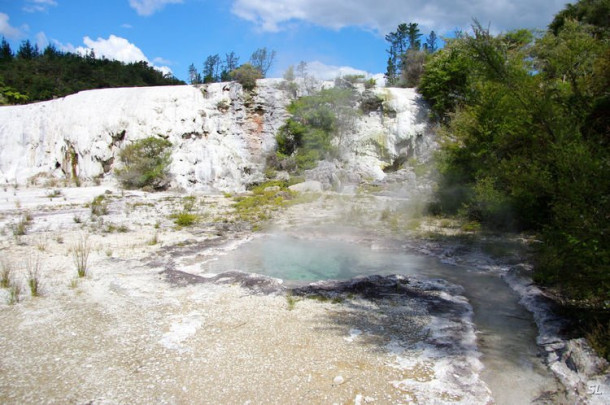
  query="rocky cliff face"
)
[{"x": 220, "y": 134}]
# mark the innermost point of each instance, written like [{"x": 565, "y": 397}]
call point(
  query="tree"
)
[
  {"x": 262, "y": 59},
  {"x": 431, "y": 42},
  {"x": 194, "y": 75},
  {"x": 302, "y": 69},
  {"x": 398, "y": 46},
  {"x": 231, "y": 63},
  {"x": 27, "y": 51},
  {"x": 53, "y": 73},
  {"x": 289, "y": 74},
  {"x": 51, "y": 52},
  {"x": 391, "y": 74},
  {"x": 211, "y": 69},
  {"x": 413, "y": 67},
  {"x": 6, "y": 53},
  {"x": 404, "y": 39},
  {"x": 413, "y": 35},
  {"x": 246, "y": 75},
  {"x": 591, "y": 12},
  {"x": 446, "y": 82}
]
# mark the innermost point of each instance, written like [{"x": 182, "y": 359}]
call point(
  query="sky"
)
[{"x": 333, "y": 36}]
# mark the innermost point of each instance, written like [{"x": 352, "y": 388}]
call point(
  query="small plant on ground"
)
[
  {"x": 33, "y": 270},
  {"x": 154, "y": 240},
  {"x": 145, "y": 164},
  {"x": 14, "y": 292},
  {"x": 99, "y": 206},
  {"x": 21, "y": 227},
  {"x": 6, "y": 272},
  {"x": 80, "y": 252},
  {"x": 266, "y": 198},
  {"x": 185, "y": 218},
  {"x": 291, "y": 301},
  {"x": 54, "y": 194}
]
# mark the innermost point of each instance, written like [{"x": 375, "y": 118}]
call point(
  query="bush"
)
[
  {"x": 99, "y": 206},
  {"x": 146, "y": 163},
  {"x": 246, "y": 75},
  {"x": 315, "y": 128},
  {"x": 185, "y": 218}
]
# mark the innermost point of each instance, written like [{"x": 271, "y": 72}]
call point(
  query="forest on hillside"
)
[{"x": 30, "y": 75}]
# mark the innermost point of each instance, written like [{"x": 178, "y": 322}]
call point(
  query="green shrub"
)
[
  {"x": 246, "y": 75},
  {"x": 145, "y": 164},
  {"x": 99, "y": 206},
  {"x": 315, "y": 129},
  {"x": 185, "y": 218}
]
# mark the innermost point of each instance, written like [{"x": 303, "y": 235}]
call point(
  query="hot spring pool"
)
[
  {"x": 305, "y": 260},
  {"x": 506, "y": 331}
]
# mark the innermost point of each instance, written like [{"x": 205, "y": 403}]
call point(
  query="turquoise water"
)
[{"x": 306, "y": 260}]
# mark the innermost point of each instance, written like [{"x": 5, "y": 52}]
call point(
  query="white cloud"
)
[
  {"x": 41, "y": 40},
  {"x": 384, "y": 16},
  {"x": 149, "y": 7},
  {"x": 7, "y": 30},
  {"x": 161, "y": 61},
  {"x": 116, "y": 48},
  {"x": 33, "y": 6},
  {"x": 127, "y": 26},
  {"x": 323, "y": 71}
]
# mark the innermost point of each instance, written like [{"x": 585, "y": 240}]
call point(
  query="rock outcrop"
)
[{"x": 220, "y": 133}]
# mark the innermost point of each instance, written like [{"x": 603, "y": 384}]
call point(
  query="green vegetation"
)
[
  {"x": 80, "y": 254},
  {"x": 217, "y": 70},
  {"x": 265, "y": 198},
  {"x": 315, "y": 129},
  {"x": 246, "y": 75},
  {"x": 145, "y": 164},
  {"x": 33, "y": 75},
  {"x": 526, "y": 145},
  {"x": 6, "y": 272},
  {"x": 407, "y": 55},
  {"x": 185, "y": 218},
  {"x": 21, "y": 227},
  {"x": 34, "y": 276},
  {"x": 99, "y": 206}
]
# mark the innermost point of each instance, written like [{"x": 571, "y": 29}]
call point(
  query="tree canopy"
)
[
  {"x": 34, "y": 75},
  {"x": 216, "y": 69},
  {"x": 527, "y": 142},
  {"x": 406, "y": 55}
]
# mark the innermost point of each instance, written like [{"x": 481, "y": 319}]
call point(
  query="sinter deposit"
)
[{"x": 220, "y": 134}]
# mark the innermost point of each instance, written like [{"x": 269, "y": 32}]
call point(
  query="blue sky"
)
[{"x": 332, "y": 36}]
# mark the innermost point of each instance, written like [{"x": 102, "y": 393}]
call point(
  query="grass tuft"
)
[
  {"x": 80, "y": 252},
  {"x": 34, "y": 276},
  {"x": 6, "y": 272}
]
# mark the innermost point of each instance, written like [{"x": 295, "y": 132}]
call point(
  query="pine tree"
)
[
  {"x": 431, "y": 42},
  {"x": 211, "y": 69},
  {"x": 6, "y": 53},
  {"x": 414, "y": 35},
  {"x": 194, "y": 76}
]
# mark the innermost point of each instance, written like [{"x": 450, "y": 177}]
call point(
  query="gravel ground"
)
[{"x": 124, "y": 334}]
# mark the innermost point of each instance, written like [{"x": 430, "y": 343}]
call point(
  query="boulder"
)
[{"x": 310, "y": 186}]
